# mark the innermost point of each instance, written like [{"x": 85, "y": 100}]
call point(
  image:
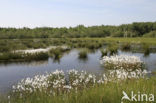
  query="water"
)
[{"x": 11, "y": 73}]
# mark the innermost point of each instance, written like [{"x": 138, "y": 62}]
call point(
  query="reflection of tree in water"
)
[
  {"x": 83, "y": 59},
  {"x": 57, "y": 59},
  {"x": 146, "y": 53},
  {"x": 92, "y": 50},
  {"x": 37, "y": 63}
]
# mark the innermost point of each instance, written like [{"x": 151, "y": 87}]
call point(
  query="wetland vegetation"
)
[{"x": 112, "y": 46}]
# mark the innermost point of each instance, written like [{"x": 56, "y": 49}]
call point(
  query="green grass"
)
[
  {"x": 57, "y": 53},
  {"x": 126, "y": 46},
  {"x": 104, "y": 52},
  {"x": 146, "y": 49},
  {"x": 19, "y": 56},
  {"x": 112, "y": 48},
  {"x": 83, "y": 54},
  {"x": 91, "y": 43},
  {"x": 11, "y": 57},
  {"x": 105, "y": 93},
  {"x": 9, "y": 45}
]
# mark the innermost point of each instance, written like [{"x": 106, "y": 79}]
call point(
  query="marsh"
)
[{"x": 11, "y": 73}]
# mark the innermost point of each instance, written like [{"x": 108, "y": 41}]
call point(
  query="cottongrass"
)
[
  {"x": 57, "y": 82},
  {"x": 122, "y": 62},
  {"x": 122, "y": 74}
]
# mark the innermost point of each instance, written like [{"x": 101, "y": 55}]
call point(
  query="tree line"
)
[{"x": 136, "y": 29}]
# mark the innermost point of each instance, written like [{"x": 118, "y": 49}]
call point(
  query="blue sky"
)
[{"x": 60, "y": 13}]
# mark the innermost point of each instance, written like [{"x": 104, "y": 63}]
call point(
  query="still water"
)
[{"x": 11, "y": 73}]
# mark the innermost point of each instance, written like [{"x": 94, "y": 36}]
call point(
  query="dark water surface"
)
[{"x": 13, "y": 72}]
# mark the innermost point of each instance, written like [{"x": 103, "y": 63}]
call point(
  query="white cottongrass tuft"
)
[{"x": 122, "y": 62}]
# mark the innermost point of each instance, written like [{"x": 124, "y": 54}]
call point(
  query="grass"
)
[
  {"x": 83, "y": 54},
  {"x": 19, "y": 56},
  {"x": 9, "y": 57},
  {"x": 91, "y": 43},
  {"x": 105, "y": 93},
  {"x": 9, "y": 45},
  {"x": 112, "y": 48},
  {"x": 57, "y": 53},
  {"x": 126, "y": 46},
  {"x": 104, "y": 52},
  {"x": 146, "y": 49}
]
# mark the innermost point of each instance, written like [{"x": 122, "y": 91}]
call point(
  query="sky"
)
[{"x": 70, "y": 13}]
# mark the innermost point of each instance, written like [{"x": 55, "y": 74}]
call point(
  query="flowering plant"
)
[
  {"x": 122, "y": 62},
  {"x": 56, "y": 82}
]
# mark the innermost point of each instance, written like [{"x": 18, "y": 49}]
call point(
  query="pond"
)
[{"x": 11, "y": 73}]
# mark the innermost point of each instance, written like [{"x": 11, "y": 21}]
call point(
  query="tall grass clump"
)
[
  {"x": 83, "y": 54},
  {"x": 112, "y": 48},
  {"x": 125, "y": 46},
  {"x": 57, "y": 53},
  {"x": 104, "y": 52},
  {"x": 146, "y": 49},
  {"x": 95, "y": 45}
]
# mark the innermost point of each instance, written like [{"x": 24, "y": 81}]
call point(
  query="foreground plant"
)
[
  {"x": 58, "y": 88},
  {"x": 57, "y": 82}
]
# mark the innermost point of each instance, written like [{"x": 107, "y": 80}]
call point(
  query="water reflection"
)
[
  {"x": 83, "y": 59},
  {"x": 57, "y": 60}
]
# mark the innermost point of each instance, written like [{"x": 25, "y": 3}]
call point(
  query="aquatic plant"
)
[
  {"x": 112, "y": 48},
  {"x": 146, "y": 49},
  {"x": 13, "y": 56},
  {"x": 83, "y": 54},
  {"x": 104, "y": 52},
  {"x": 92, "y": 45},
  {"x": 125, "y": 46},
  {"x": 57, "y": 53},
  {"x": 122, "y": 62}
]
